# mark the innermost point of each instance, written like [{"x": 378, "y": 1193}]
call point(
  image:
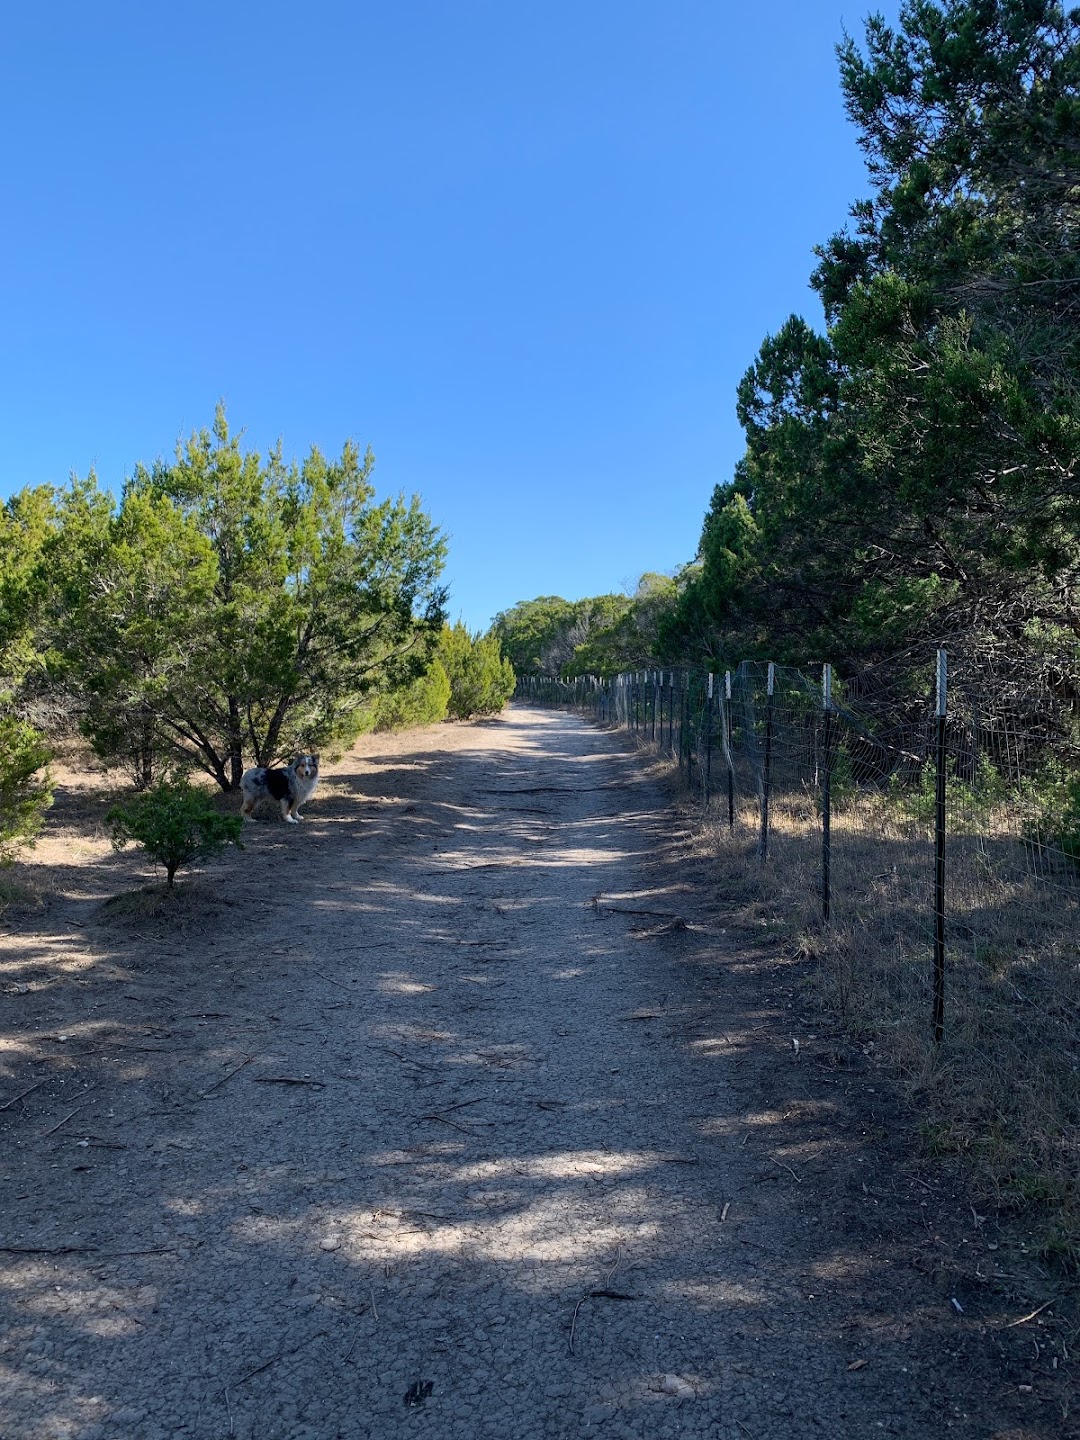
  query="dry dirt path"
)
[{"x": 454, "y": 1113}]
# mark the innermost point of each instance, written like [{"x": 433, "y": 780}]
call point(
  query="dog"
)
[{"x": 290, "y": 786}]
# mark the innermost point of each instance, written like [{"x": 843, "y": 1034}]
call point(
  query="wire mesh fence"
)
[{"x": 920, "y": 831}]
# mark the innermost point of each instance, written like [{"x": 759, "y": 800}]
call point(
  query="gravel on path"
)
[{"x": 455, "y": 1112}]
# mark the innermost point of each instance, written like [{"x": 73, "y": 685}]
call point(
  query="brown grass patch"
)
[{"x": 1003, "y": 1089}]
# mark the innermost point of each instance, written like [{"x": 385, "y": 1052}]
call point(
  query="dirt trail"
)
[{"x": 454, "y": 1112}]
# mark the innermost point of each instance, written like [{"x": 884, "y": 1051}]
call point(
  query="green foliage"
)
[
  {"x": 175, "y": 823},
  {"x": 886, "y": 611},
  {"x": 232, "y": 609},
  {"x": 602, "y": 634},
  {"x": 25, "y": 792},
  {"x": 27, "y": 521},
  {"x": 481, "y": 678},
  {"x": 138, "y": 592},
  {"x": 540, "y": 636},
  {"x": 908, "y": 476},
  {"x": 969, "y": 798},
  {"x": 628, "y": 640},
  {"x": 1066, "y": 829},
  {"x": 423, "y": 701},
  {"x": 1049, "y": 800}
]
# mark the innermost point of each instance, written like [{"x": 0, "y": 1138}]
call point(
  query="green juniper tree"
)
[
  {"x": 481, "y": 677},
  {"x": 232, "y": 610},
  {"x": 25, "y": 788},
  {"x": 910, "y": 476},
  {"x": 27, "y": 521}
]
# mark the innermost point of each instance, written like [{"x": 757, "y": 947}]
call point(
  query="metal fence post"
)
[
  {"x": 826, "y": 795},
  {"x": 708, "y": 740},
  {"x": 682, "y": 709},
  {"x": 766, "y": 769},
  {"x": 939, "y": 851},
  {"x": 688, "y": 723},
  {"x": 729, "y": 734}
]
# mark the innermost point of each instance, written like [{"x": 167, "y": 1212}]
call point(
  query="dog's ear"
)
[{"x": 315, "y": 758}]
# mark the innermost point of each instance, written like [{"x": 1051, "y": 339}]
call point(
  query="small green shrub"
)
[
  {"x": 175, "y": 823},
  {"x": 481, "y": 678},
  {"x": 1065, "y": 826},
  {"x": 25, "y": 794},
  {"x": 975, "y": 797}
]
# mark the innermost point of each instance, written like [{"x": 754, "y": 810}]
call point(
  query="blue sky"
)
[{"x": 525, "y": 251}]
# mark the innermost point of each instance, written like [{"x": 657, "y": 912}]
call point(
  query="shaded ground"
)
[{"x": 455, "y": 1111}]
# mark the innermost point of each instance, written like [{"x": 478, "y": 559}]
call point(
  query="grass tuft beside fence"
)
[{"x": 919, "y": 837}]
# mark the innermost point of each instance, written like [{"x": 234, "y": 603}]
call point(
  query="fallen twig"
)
[
  {"x": 601, "y": 1293},
  {"x": 796, "y": 1178},
  {"x": 1025, "y": 1318},
  {"x": 288, "y": 1080},
  {"x": 47, "y": 1250},
  {"x": 218, "y": 1083},
  {"x": 124, "y": 1254},
  {"x": 61, "y": 1123},
  {"x": 629, "y": 910},
  {"x": 281, "y": 1355},
  {"x": 346, "y": 988},
  {"x": 23, "y": 1093},
  {"x": 443, "y": 1121}
]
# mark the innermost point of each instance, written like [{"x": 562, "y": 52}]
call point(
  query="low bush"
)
[
  {"x": 25, "y": 790},
  {"x": 481, "y": 678},
  {"x": 175, "y": 823},
  {"x": 423, "y": 702}
]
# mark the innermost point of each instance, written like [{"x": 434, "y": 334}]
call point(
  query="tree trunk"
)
[
  {"x": 273, "y": 730},
  {"x": 236, "y": 744}
]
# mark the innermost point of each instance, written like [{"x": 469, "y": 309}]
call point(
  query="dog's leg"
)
[
  {"x": 246, "y": 809},
  {"x": 286, "y": 812}
]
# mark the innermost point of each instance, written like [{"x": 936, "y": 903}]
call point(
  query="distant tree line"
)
[{"x": 601, "y": 635}]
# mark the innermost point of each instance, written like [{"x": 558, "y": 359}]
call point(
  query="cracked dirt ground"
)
[{"x": 457, "y": 1112}]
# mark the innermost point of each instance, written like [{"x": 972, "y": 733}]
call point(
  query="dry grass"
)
[
  {"x": 151, "y": 902},
  {"x": 1003, "y": 1090},
  {"x": 19, "y": 895}
]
